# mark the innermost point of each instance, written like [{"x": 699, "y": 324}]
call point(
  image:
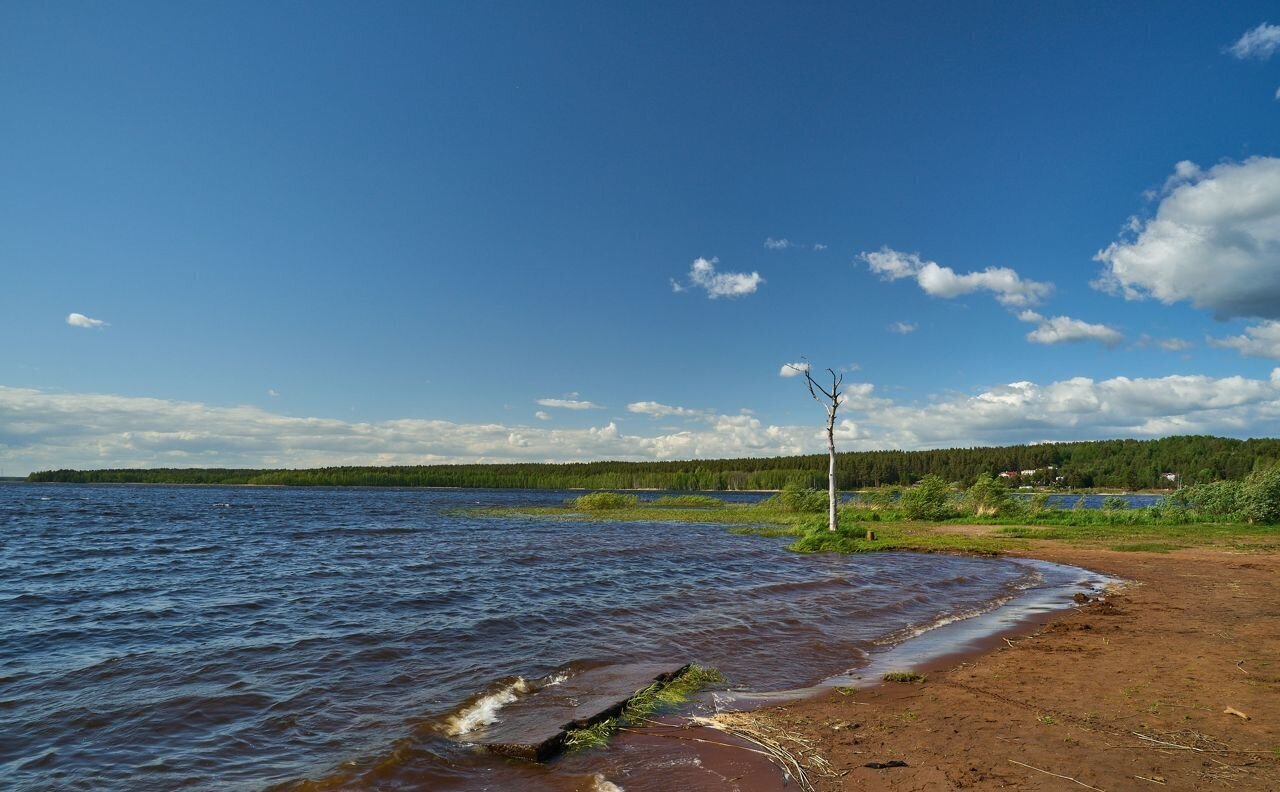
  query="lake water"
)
[{"x": 157, "y": 637}]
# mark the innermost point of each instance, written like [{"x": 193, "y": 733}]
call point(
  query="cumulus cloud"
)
[
  {"x": 1214, "y": 241},
  {"x": 860, "y": 396},
  {"x": 542, "y": 415},
  {"x": 777, "y": 244},
  {"x": 570, "y": 404},
  {"x": 903, "y": 328},
  {"x": 938, "y": 281},
  {"x": 660, "y": 410},
  {"x": 41, "y": 430},
  {"x": 793, "y": 369},
  {"x": 1260, "y": 341},
  {"x": 80, "y": 320},
  {"x": 272, "y": 392},
  {"x": 703, "y": 274},
  {"x": 1065, "y": 330},
  {"x": 1260, "y": 43}
]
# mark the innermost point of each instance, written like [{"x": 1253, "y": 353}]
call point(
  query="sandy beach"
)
[{"x": 1170, "y": 683}]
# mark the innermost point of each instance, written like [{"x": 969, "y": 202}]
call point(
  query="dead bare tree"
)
[{"x": 830, "y": 402}]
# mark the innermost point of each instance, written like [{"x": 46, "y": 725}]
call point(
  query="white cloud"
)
[
  {"x": 1214, "y": 240},
  {"x": 1065, "y": 330},
  {"x": 80, "y": 320},
  {"x": 660, "y": 410},
  {"x": 1167, "y": 344},
  {"x": 793, "y": 369},
  {"x": 938, "y": 281},
  {"x": 819, "y": 247},
  {"x": 542, "y": 415},
  {"x": 903, "y": 328},
  {"x": 570, "y": 404},
  {"x": 677, "y": 286},
  {"x": 1259, "y": 43},
  {"x": 777, "y": 244},
  {"x": 861, "y": 396},
  {"x": 1260, "y": 340},
  {"x": 1081, "y": 408},
  {"x": 272, "y": 392},
  {"x": 719, "y": 284},
  {"x": 40, "y": 430}
]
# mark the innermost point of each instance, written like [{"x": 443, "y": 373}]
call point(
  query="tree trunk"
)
[{"x": 831, "y": 469}]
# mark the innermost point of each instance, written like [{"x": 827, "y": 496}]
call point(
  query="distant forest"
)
[{"x": 1129, "y": 464}]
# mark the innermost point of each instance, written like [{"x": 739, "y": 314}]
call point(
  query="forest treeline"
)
[{"x": 1129, "y": 464}]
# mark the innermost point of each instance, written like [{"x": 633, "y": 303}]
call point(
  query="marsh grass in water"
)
[
  {"x": 693, "y": 501},
  {"x": 604, "y": 501},
  {"x": 654, "y": 699}
]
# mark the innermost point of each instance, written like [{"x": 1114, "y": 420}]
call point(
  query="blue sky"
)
[{"x": 336, "y": 233}]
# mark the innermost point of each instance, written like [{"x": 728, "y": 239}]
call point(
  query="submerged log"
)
[{"x": 536, "y": 726}]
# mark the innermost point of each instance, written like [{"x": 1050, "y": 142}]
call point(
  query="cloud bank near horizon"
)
[{"x": 42, "y": 430}]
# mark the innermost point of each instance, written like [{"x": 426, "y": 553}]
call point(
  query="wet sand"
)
[{"x": 1127, "y": 693}]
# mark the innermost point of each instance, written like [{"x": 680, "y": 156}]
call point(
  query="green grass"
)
[
  {"x": 1128, "y": 530},
  {"x": 703, "y": 501},
  {"x": 904, "y": 677},
  {"x": 651, "y": 700},
  {"x": 604, "y": 501}
]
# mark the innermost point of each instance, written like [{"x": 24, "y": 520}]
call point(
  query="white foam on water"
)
[
  {"x": 558, "y": 678},
  {"x": 484, "y": 710},
  {"x": 601, "y": 784}
]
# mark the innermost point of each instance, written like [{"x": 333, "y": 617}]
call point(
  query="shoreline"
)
[{"x": 1129, "y": 692}]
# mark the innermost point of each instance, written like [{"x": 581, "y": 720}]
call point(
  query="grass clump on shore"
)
[
  {"x": 651, "y": 700},
  {"x": 904, "y": 677},
  {"x": 604, "y": 501}
]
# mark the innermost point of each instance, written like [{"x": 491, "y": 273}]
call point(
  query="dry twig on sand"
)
[
  {"x": 1056, "y": 775},
  {"x": 797, "y": 760}
]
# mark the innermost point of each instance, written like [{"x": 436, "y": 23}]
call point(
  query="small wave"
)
[
  {"x": 601, "y": 784},
  {"x": 1032, "y": 579},
  {"x": 942, "y": 620},
  {"x": 484, "y": 710}
]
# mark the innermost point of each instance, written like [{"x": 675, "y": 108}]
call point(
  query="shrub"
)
[
  {"x": 988, "y": 497},
  {"x": 927, "y": 500},
  {"x": 1260, "y": 496},
  {"x": 602, "y": 501},
  {"x": 1114, "y": 503},
  {"x": 795, "y": 499},
  {"x": 1039, "y": 503},
  {"x": 1216, "y": 498}
]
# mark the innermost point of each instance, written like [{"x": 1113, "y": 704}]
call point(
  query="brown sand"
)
[{"x": 1128, "y": 693}]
